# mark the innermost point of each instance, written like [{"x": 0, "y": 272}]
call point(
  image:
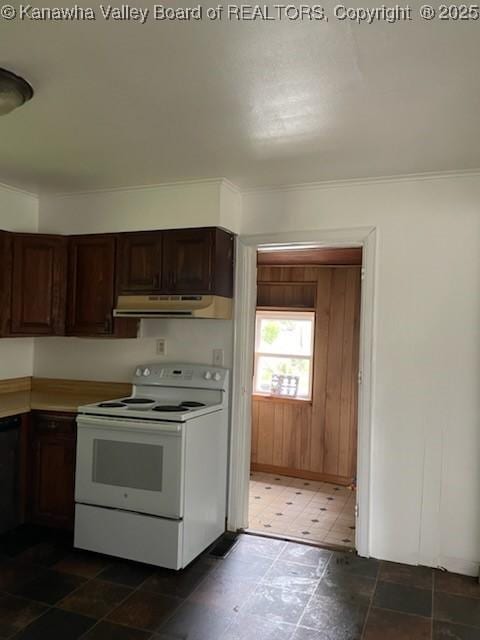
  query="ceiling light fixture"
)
[{"x": 14, "y": 91}]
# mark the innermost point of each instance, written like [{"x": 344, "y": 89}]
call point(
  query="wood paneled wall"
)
[{"x": 316, "y": 440}]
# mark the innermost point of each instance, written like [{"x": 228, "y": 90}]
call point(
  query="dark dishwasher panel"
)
[{"x": 9, "y": 455}]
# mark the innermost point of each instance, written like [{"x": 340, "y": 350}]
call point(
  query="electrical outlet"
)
[
  {"x": 161, "y": 347},
  {"x": 218, "y": 356}
]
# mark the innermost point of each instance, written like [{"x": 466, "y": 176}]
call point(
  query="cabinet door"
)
[
  {"x": 140, "y": 262},
  {"x": 53, "y": 495},
  {"x": 91, "y": 285},
  {"x": 188, "y": 261},
  {"x": 53, "y": 500},
  {"x": 38, "y": 285},
  {"x": 5, "y": 281}
]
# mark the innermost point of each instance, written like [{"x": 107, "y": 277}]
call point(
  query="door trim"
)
[{"x": 244, "y": 340}]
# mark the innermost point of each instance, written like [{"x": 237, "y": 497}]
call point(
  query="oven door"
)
[{"x": 136, "y": 465}]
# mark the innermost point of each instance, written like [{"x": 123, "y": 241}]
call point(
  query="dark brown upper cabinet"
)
[
  {"x": 5, "y": 281},
  {"x": 140, "y": 262},
  {"x": 37, "y": 299},
  {"x": 91, "y": 288},
  {"x": 198, "y": 261}
]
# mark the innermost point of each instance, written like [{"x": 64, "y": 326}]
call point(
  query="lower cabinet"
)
[{"x": 52, "y": 481}]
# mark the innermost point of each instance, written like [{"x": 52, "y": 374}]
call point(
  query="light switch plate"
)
[
  {"x": 218, "y": 357},
  {"x": 161, "y": 347}
]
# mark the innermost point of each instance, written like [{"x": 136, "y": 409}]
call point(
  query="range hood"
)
[{"x": 174, "y": 306}]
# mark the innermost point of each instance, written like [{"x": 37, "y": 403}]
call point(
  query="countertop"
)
[
  {"x": 14, "y": 403},
  {"x": 57, "y": 395}
]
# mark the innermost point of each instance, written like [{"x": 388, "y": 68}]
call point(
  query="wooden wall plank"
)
[
  {"x": 289, "y": 439},
  {"x": 304, "y": 426},
  {"x": 286, "y": 294},
  {"x": 348, "y": 362},
  {"x": 322, "y": 321},
  {"x": 323, "y": 255},
  {"x": 265, "y": 433},
  {"x": 254, "y": 444},
  {"x": 277, "y": 427},
  {"x": 334, "y": 372},
  {"x": 353, "y": 437}
]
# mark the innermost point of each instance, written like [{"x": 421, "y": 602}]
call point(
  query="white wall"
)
[
  {"x": 115, "y": 360},
  {"x": 230, "y": 213},
  {"x": 426, "y": 431},
  {"x": 18, "y": 212},
  {"x": 187, "y": 204},
  {"x": 190, "y": 204}
]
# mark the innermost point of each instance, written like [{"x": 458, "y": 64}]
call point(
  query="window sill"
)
[{"x": 260, "y": 396}]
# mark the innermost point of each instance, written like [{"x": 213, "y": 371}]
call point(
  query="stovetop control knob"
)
[
  {"x": 217, "y": 376},
  {"x": 208, "y": 375},
  {"x": 138, "y": 372},
  {"x": 146, "y": 371}
]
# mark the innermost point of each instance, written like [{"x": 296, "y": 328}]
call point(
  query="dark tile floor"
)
[{"x": 265, "y": 589}]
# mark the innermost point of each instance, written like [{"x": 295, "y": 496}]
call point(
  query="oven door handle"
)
[{"x": 125, "y": 424}]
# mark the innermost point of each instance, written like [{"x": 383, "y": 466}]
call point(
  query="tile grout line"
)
[
  {"x": 312, "y": 595},
  {"x": 404, "y": 613},
  {"x": 370, "y": 606}
]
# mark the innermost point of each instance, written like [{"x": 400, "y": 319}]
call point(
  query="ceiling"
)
[{"x": 258, "y": 102}]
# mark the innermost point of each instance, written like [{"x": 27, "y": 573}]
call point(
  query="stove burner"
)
[
  {"x": 111, "y": 405},
  {"x": 137, "y": 401},
  {"x": 169, "y": 407},
  {"x": 191, "y": 403}
]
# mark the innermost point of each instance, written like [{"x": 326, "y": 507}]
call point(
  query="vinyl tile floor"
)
[
  {"x": 318, "y": 512},
  {"x": 264, "y": 589}
]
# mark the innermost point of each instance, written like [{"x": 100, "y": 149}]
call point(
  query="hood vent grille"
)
[{"x": 174, "y": 306}]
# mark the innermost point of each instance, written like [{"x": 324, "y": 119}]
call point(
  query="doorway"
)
[
  {"x": 245, "y": 304},
  {"x": 304, "y": 402}
]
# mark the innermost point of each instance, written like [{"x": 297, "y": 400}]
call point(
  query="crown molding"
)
[
  {"x": 350, "y": 182},
  {"x": 140, "y": 187},
  {"x": 18, "y": 190},
  {"x": 231, "y": 186}
]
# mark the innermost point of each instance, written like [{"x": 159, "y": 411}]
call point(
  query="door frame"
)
[{"x": 244, "y": 344}]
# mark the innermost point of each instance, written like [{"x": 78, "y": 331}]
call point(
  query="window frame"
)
[{"x": 283, "y": 314}]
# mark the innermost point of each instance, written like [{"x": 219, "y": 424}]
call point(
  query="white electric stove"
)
[{"x": 151, "y": 468}]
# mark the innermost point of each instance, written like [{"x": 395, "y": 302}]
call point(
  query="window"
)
[{"x": 284, "y": 353}]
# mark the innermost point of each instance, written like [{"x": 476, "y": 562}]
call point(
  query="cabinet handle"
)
[
  {"x": 108, "y": 323},
  {"x": 171, "y": 280},
  {"x": 51, "y": 426}
]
